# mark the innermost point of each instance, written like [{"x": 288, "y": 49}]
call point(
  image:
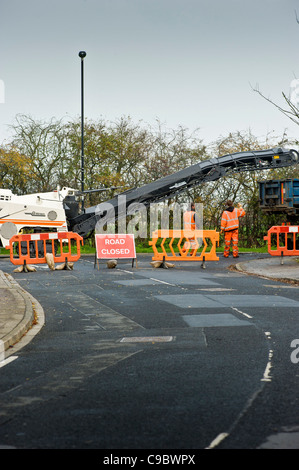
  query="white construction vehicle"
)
[{"x": 40, "y": 211}]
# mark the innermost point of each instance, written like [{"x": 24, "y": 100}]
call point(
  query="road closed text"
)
[{"x": 115, "y": 246}]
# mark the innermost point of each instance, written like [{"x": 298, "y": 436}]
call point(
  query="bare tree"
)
[{"x": 291, "y": 111}]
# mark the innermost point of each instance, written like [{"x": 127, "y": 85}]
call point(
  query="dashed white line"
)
[
  {"x": 242, "y": 313},
  {"x": 267, "y": 377},
  {"x": 162, "y": 282},
  {"x": 125, "y": 271},
  {"x": 151, "y": 278},
  {"x": 217, "y": 440}
]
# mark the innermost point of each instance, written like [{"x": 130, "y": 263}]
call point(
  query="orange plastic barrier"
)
[
  {"x": 282, "y": 240},
  {"x": 32, "y": 248},
  {"x": 207, "y": 253}
]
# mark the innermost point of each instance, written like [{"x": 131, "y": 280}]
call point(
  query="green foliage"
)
[
  {"x": 14, "y": 169},
  {"x": 123, "y": 154}
]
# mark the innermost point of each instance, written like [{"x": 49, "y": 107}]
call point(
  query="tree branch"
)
[{"x": 292, "y": 114}]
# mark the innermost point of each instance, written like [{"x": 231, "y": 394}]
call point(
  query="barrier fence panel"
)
[
  {"x": 283, "y": 240},
  {"x": 192, "y": 245},
  {"x": 32, "y": 248}
]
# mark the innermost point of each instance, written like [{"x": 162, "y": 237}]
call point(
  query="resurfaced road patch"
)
[
  {"x": 218, "y": 301},
  {"x": 215, "y": 319}
]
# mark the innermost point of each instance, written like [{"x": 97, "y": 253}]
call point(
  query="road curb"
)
[
  {"x": 32, "y": 313},
  {"x": 240, "y": 268}
]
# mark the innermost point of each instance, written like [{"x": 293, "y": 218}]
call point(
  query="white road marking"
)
[
  {"x": 217, "y": 440},
  {"x": 162, "y": 282},
  {"x": 267, "y": 377},
  {"x": 8, "y": 360},
  {"x": 242, "y": 313}
]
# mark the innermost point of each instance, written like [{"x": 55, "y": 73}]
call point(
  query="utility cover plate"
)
[{"x": 147, "y": 339}]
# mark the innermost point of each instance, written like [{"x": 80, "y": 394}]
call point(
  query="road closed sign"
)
[{"x": 115, "y": 246}]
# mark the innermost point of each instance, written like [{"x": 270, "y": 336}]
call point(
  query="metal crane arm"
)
[{"x": 194, "y": 175}]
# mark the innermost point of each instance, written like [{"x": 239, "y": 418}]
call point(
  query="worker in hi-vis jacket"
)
[
  {"x": 191, "y": 222},
  {"x": 230, "y": 226}
]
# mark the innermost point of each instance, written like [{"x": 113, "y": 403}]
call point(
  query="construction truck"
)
[
  {"x": 280, "y": 197},
  {"x": 40, "y": 212},
  {"x": 60, "y": 210}
]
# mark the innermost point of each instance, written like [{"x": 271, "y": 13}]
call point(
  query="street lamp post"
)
[{"x": 82, "y": 54}]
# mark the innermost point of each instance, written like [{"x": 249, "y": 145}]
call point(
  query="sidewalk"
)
[
  {"x": 21, "y": 316},
  {"x": 272, "y": 268}
]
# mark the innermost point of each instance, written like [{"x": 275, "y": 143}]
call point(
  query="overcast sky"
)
[{"x": 185, "y": 62}]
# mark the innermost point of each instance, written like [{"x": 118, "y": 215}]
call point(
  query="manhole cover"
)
[{"x": 147, "y": 339}]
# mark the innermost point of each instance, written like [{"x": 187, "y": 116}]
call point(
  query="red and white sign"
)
[{"x": 115, "y": 246}]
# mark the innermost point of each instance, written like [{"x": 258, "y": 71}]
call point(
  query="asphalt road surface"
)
[{"x": 143, "y": 358}]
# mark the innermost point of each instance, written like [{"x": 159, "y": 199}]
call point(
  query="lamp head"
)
[{"x": 82, "y": 54}]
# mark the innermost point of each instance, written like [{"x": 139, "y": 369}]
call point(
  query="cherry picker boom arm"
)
[{"x": 169, "y": 186}]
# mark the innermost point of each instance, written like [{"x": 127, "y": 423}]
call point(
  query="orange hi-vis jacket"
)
[
  {"x": 189, "y": 220},
  {"x": 230, "y": 220}
]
